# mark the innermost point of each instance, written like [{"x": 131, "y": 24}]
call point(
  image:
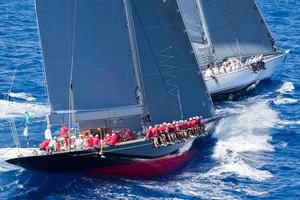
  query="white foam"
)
[
  {"x": 22, "y": 95},
  {"x": 284, "y": 101},
  {"x": 247, "y": 131},
  {"x": 17, "y": 109},
  {"x": 8, "y": 153},
  {"x": 286, "y": 87},
  {"x": 6, "y": 167}
]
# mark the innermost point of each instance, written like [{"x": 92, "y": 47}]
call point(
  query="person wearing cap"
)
[
  {"x": 89, "y": 142},
  {"x": 96, "y": 140},
  {"x": 114, "y": 139},
  {"x": 48, "y": 134},
  {"x": 149, "y": 133},
  {"x": 106, "y": 139},
  {"x": 127, "y": 135},
  {"x": 161, "y": 133},
  {"x": 79, "y": 143},
  {"x": 152, "y": 134},
  {"x": 164, "y": 133}
]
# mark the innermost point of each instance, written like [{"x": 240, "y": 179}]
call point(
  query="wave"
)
[
  {"x": 284, "y": 101},
  {"x": 286, "y": 87},
  {"x": 22, "y": 95},
  {"x": 8, "y": 153},
  {"x": 17, "y": 109},
  {"x": 245, "y": 130}
]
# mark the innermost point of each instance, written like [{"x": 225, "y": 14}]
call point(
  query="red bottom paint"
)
[{"x": 146, "y": 169}]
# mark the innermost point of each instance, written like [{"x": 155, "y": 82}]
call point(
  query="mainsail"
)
[
  {"x": 91, "y": 39},
  {"x": 100, "y": 45},
  {"x": 173, "y": 86},
  {"x": 236, "y": 28},
  {"x": 191, "y": 16}
]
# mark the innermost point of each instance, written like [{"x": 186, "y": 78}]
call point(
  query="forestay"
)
[
  {"x": 95, "y": 34},
  {"x": 170, "y": 71},
  {"x": 236, "y": 28}
]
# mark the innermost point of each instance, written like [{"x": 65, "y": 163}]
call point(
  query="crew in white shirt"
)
[{"x": 48, "y": 135}]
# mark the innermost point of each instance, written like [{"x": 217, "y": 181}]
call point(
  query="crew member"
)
[
  {"x": 96, "y": 140},
  {"x": 48, "y": 134},
  {"x": 89, "y": 142},
  {"x": 152, "y": 133},
  {"x": 79, "y": 142},
  {"x": 64, "y": 131},
  {"x": 106, "y": 139},
  {"x": 114, "y": 139},
  {"x": 127, "y": 135}
]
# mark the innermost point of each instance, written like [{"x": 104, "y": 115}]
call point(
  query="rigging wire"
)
[
  {"x": 71, "y": 94},
  {"x": 11, "y": 119}
]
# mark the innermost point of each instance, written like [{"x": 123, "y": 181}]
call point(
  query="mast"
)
[
  {"x": 204, "y": 25},
  {"x": 205, "y": 28},
  {"x": 196, "y": 27},
  {"x": 71, "y": 93},
  {"x": 135, "y": 56}
]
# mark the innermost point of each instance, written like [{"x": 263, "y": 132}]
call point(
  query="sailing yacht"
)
[
  {"x": 108, "y": 64},
  {"x": 225, "y": 33}
]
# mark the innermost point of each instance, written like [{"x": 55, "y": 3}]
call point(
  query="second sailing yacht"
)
[{"x": 233, "y": 44}]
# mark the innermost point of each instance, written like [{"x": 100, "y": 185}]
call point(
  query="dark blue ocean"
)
[{"x": 253, "y": 154}]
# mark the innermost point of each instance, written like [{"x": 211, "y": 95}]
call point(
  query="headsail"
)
[
  {"x": 236, "y": 28},
  {"x": 169, "y": 68},
  {"x": 104, "y": 83}
]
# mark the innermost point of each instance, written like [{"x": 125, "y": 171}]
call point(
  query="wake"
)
[
  {"x": 245, "y": 130},
  {"x": 17, "y": 109}
]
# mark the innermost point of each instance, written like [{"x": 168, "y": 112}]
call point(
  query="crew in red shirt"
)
[
  {"x": 149, "y": 133},
  {"x": 106, "y": 139},
  {"x": 96, "y": 140},
  {"x": 152, "y": 133},
  {"x": 90, "y": 141},
  {"x": 68, "y": 142},
  {"x": 114, "y": 139},
  {"x": 64, "y": 131},
  {"x": 127, "y": 135}
]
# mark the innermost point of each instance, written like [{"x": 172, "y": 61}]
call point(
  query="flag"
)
[
  {"x": 27, "y": 118},
  {"x": 25, "y": 132}
]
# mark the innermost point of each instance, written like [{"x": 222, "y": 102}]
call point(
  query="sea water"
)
[{"x": 253, "y": 154}]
